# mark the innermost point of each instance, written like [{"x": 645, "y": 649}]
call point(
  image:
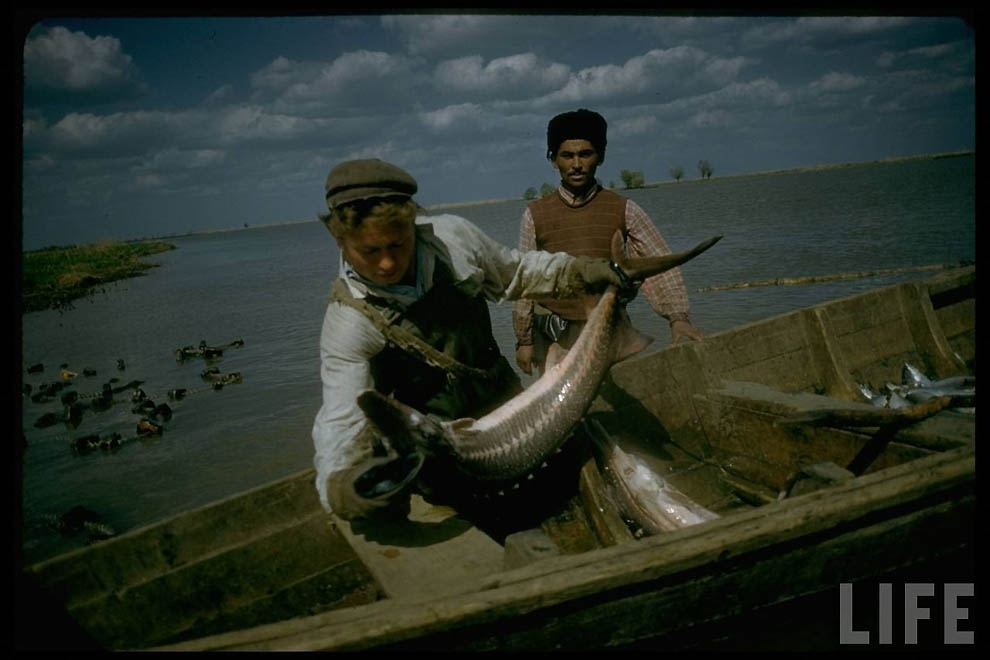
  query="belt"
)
[{"x": 551, "y": 325}]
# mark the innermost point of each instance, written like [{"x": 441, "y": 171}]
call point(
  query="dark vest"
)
[
  {"x": 453, "y": 323},
  {"x": 583, "y": 231}
]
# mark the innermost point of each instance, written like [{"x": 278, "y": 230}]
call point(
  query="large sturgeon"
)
[{"x": 516, "y": 438}]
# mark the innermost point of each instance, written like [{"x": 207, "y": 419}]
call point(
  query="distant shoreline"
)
[
  {"x": 446, "y": 206},
  {"x": 793, "y": 170}
]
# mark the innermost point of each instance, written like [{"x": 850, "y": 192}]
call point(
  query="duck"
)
[
  {"x": 209, "y": 352},
  {"x": 227, "y": 379},
  {"x": 144, "y": 406},
  {"x": 74, "y": 414},
  {"x": 46, "y": 420},
  {"x": 162, "y": 410},
  {"x": 210, "y": 373},
  {"x": 85, "y": 443},
  {"x": 185, "y": 353},
  {"x": 147, "y": 428}
]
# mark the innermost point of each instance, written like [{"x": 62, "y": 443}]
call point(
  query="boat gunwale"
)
[{"x": 553, "y": 581}]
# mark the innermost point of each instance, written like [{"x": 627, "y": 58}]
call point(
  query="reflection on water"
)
[{"x": 269, "y": 287}]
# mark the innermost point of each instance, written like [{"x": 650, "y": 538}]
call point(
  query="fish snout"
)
[{"x": 405, "y": 428}]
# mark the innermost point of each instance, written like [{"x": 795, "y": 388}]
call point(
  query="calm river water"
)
[{"x": 268, "y": 286}]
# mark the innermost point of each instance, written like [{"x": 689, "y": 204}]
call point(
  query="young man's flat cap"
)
[{"x": 355, "y": 180}]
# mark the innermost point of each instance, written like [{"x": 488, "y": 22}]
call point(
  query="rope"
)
[{"x": 814, "y": 279}]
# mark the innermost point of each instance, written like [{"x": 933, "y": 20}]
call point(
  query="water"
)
[{"x": 269, "y": 287}]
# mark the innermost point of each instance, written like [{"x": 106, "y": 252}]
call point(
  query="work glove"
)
[{"x": 600, "y": 273}]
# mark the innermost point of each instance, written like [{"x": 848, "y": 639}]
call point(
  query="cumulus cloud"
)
[
  {"x": 660, "y": 74},
  {"x": 349, "y": 83},
  {"x": 820, "y": 29},
  {"x": 59, "y": 63},
  {"x": 513, "y": 76},
  {"x": 837, "y": 82}
]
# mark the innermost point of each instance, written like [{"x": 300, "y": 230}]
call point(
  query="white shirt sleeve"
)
[
  {"x": 348, "y": 341},
  {"x": 484, "y": 265}
]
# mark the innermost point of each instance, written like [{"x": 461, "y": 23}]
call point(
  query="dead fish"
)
[
  {"x": 516, "y": 438},
  {"x": 650, "y": 501},
  {"x": 871, "y": 396},
  {"x": 913, "y": 377},
  {"x": 895, "y": 398}
]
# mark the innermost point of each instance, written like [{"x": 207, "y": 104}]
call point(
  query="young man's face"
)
[
  {"x": 577, "y": 161},
  {"x": 381, "y": 253}
]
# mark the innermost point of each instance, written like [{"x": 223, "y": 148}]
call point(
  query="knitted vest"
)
[{"x": 583, "y": 231}]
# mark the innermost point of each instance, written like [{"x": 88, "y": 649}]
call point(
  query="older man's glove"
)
[{"x": 599, "y": 273}]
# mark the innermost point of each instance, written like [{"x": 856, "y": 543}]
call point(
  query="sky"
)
[{"x": 141, "y": 127}]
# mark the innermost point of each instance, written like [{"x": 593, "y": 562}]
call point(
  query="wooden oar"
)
[
  {"x": 870, "y": 417},
  {"x": 889, "y": 421}
]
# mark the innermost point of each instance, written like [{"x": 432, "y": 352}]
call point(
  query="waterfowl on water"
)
[
  {"x": 213, "y": 375},
  {"x": 46, "y": 420},
  {"x": 162, "y": 410},
  {"x": 204, "y": 350},
  {"x": 146, "y": 427},
  {"x": 144, "y": 406},
  {"x": 74, "y": 414},
  {"x": 210, "y": 373},
  {"x": 186, "y": 352}
]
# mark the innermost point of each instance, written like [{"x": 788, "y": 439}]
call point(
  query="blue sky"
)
[{"x": 144, "y": 127}]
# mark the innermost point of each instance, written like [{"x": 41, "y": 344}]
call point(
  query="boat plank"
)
[
  {"x": 432, "y": 553},
  {"x": 246, "y": 585},
  {"x": 902, "y": 507}
]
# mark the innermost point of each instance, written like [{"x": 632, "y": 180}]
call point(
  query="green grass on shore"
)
[{"x": 54, "y": 277}]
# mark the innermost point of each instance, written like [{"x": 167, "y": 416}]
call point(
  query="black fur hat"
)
[{"x": 577, "y": 125}]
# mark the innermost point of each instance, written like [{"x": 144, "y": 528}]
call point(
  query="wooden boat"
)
[{"x": 764, "y": 425}]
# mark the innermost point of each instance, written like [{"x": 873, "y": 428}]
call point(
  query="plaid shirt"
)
[{"x": 665, "y": 292}]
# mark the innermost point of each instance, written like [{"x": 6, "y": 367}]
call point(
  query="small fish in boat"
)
[
  {"x": 911, "y": 376},
  {"x": 895, "y": 398},
  {"x": 871, "y": 396}
]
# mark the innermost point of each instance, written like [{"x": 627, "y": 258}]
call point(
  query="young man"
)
[
  {"x": 580, "y": 218},
  {"x": 408, "y": 316}
]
